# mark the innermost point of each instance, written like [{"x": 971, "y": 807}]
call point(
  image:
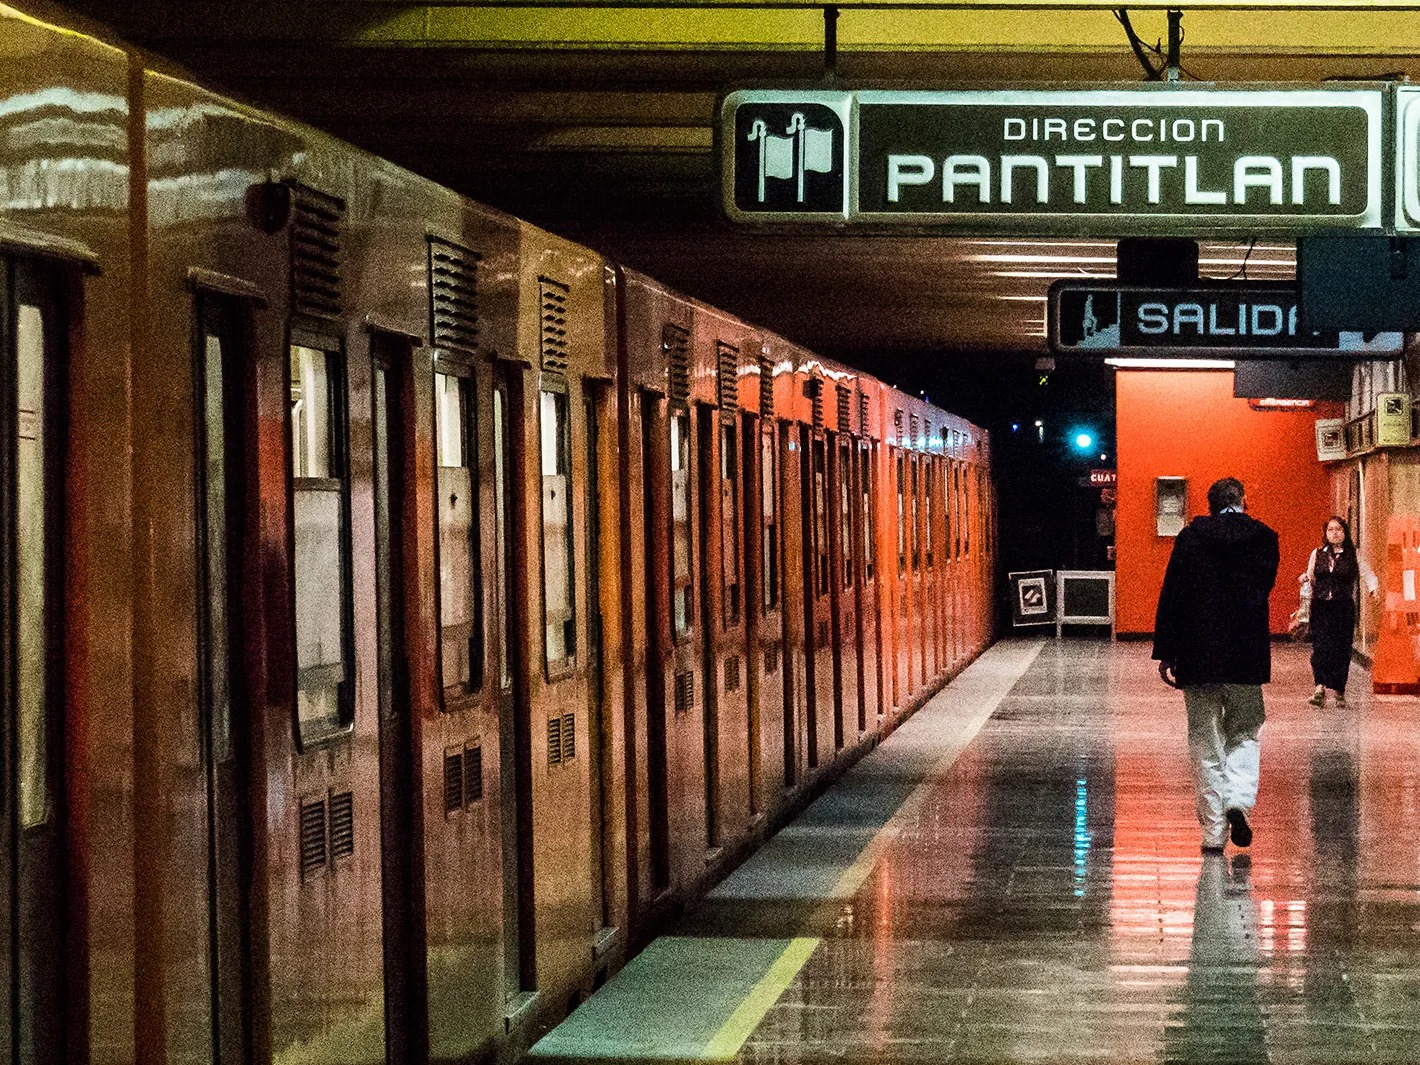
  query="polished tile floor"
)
[{"x": 1046, "y": 901}]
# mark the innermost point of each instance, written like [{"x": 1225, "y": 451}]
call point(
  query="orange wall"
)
[{"x": 1186, "y": 423}]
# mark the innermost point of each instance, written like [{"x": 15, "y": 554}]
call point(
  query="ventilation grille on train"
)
[
  {"x": 813, "y": 388},
  {"x": 912, "y": 437},
  {"x": 732, "y": 673},
  {"x": 771, "y": 658},
  {"x": 453, "y": 296},
  {"x": 684, "y": 692},
  {"x": 766, "y": 386},
  {"x": 675, "y": 342},
  {"x": 845, "y": 408},
  {"x": 342, "y": 825},
  {"x": 897, "y": 426},
  {"x": 316, "y": 235},
  {"x": 453, "y": 781},
  {"x": 312, "y": 838},
  {"x": 561, "y": 739},
  {"x": 728, "y": 360},
  {"x": 554, "y": 325}
]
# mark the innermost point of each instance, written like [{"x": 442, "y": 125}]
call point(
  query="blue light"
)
[
  {"x": 1084, "y": 441},
  {"x": 1015, "y": 426}
]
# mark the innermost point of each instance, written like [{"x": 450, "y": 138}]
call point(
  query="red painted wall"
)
[{"x": 1186, "y": 423}]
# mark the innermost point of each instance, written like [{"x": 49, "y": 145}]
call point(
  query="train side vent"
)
[
  {"x": 569, "y": 737},
  {"x": 554, "y": 325},
  {"x": 863, "y": 413},
  {"x": 897, "y": 426},
  {"x": 684, "y": 692},
  {"x": 554, "y": 740},
  {"x": 342, "y": 825},
  {"x": 453, "y": 781},
  {"x": 316, "y": 253},
  {"x": 912, "y": 439},
  {"x": 312, "y": 838},
  {"x": 732, "y": 673},
  {"x": 766, "y": 387},
  {"x": 771, "y": 658},
  {"x": 813, "y": 388},
  {"x": 727, "y": 375},
  {"x": 473, "y": 773},
  {"x": 675, "y": 343},
  {"x": 845, "y": 409},
  {"x": 453, "y": 295}
]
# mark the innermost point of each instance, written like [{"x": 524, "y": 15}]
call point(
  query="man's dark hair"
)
[{"x": 1223, "y": 494}]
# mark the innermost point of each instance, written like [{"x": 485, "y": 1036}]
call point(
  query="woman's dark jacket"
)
[
  {"x": 1338, "y": 583},
  {"x": 1212, "y": 624}
]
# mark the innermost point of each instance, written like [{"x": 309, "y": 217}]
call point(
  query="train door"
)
[
  {"x": 595, "y": 403},
  {"x": 762, "y": 609},
  {"x": 709, "y": 507},
  {"x": 793, "y": 592},
  {"x": 929, "y": 564},
  {"x": 514, "y": 726},
  {"x": 818, "y": 618},
  {"x": 958, "y": 581},
  {"x": 655, "y": 510},
  {"x": 846, "y": 681},
  {"x": 917, "y": 637},
  {"x": 32, "y": 359},
  {"x": 901, "y": 653},
  {"x": 869, "y": 633},
  {"x": 223, "y": 727}
]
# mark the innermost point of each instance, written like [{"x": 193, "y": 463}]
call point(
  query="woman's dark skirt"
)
[{"x": 1333, "y": 623}]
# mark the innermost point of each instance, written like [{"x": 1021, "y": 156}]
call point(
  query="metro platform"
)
[{"x": 1015, "y": 876}]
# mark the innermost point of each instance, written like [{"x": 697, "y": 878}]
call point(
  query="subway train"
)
[{"x": 406, "y": 611}]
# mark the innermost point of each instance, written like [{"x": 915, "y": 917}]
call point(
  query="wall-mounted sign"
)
[
  {"x": 1103, "y": 160},
  {"x": 1101, "y": 478},
  {"x": 1210, "y": 318},
  {"x": 1392, "y": 419},
  {"x": 1330, "y": 439},
  {"x": 1279, "y": 403}
]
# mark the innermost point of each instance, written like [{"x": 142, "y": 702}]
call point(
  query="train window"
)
[
  {"x": 33, "y": 596},
  {"x": 683, "y": 603},
  {"x": 769, "y": 510},
  {"x": 916, "y": 532},
  {"x": 460, "y": 568},
  {"x": 324, "y": 695},
  {"x": 845, "y": 512},
  {"x": 559, "y": 616},
  {"x": 901, "y": 515},
  {"x": 730, "y": 522},
  {"x": 865, "y": 460},
  {"x": 820, "y": 522},
  {"x": 500, "y": 531}
]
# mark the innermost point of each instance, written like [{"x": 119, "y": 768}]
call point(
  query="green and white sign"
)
[{"x": 1109, "y": 161}]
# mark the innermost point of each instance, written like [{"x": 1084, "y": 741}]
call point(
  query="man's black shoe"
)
[{"x": 1240, "y": 830}]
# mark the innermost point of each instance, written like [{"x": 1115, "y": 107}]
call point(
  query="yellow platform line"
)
[{"x": 739, "y": 1025}]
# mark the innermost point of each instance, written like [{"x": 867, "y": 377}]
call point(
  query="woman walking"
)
[{"x": 1333, "y": 571}]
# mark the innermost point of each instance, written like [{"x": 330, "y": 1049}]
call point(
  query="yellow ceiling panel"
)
[{"x": 1372, "y": 30}]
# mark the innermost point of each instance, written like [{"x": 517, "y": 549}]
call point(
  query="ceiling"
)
[{"x": 596, "y": 122}]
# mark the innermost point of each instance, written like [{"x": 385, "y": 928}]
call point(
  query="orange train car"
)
[{"x": 411, "y": 609}]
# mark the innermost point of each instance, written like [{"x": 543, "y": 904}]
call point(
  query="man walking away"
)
[{"x": 1212, "y": 639}]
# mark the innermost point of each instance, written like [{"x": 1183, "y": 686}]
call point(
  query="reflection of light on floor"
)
[
  {"x": 1082, "y": 835},
  {"x": 1282, "y": 926}
]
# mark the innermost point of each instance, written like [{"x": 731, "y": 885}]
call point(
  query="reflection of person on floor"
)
[
  {"x": 1211, "y": 638},
  {"x": 1222, "y": 1014}
]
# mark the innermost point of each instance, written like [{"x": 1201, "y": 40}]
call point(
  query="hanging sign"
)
[
  {"x": 1218, "y": 318},
  {"x": 1098, "y": 160}
]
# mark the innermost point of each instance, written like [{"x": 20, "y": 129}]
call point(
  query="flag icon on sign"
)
[{"x": 813, "y": 149}]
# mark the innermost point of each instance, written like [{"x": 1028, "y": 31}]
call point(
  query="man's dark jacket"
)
[{"x": 1212, "y": 623}]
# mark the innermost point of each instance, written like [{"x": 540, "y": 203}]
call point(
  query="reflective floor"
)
[
  {"x": 1015, "y": 876},
  {"x": 1048, "y": 901}
]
